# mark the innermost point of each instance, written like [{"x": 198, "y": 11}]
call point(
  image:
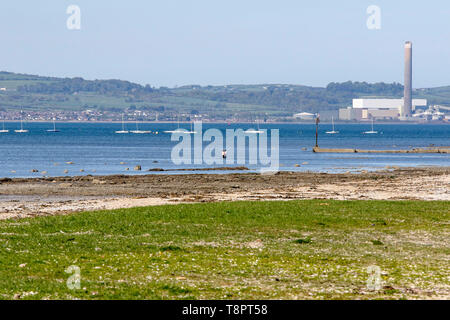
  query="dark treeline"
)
[
  {"x": 285, "y": 97},
  {"x": 292, "y": 97},
  {"x": 70, "y": 86},
  {"x": 284, "y": 93},
  {"x": 381, "y": 88},
  {"x": 9, "y": 76}
]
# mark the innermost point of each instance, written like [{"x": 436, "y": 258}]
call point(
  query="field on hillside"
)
[
  {"x": 36, "y": 93},
  {"x": 319, "y": 249}
]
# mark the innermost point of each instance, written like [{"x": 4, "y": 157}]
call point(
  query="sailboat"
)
[
  {"x": 54, "y": 127},
  {"x": 333, "y": 131},
  {"x": 371, "y": 131},
  {"x": 21, "y": 128},
  {"x": 123, "y": 131},
  {"x": 4, "y": 130},
  {"x": 192, "y": 130},
  {"x": 179, "y": 130},
  {"x": 137, "y": 131},
  {"x": 254, "y": 131}
]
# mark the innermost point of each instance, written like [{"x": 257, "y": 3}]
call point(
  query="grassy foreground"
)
[{"x": 244, "y": 250}]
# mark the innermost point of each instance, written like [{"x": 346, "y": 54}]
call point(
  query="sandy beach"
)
[{"x": 20, "y": 198}]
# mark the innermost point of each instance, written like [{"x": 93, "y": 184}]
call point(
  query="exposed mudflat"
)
[{"x": 21, "y": 198}]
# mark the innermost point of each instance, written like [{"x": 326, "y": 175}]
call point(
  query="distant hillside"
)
[{"x": 49, "y": 93}]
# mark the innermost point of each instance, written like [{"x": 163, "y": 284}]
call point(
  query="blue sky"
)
[{"x": 175, "y": 42}]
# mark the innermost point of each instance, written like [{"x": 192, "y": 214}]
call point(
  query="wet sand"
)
[{"x": 20, "y": 198}]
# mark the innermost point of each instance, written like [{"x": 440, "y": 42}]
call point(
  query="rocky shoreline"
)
[{"x": 28, "y": 197}]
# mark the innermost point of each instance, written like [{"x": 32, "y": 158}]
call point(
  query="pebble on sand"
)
[{"x": 96, "y": 181}]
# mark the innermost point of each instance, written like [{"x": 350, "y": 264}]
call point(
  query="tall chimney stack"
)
[{"x": 407, "y": 103}]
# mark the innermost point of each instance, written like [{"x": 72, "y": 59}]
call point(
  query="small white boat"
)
[
  {"x": 4, "y": 130},
  {"x": 179, "y": 130},
  {"x": 333, "y": 131},
  {"x": 192, "y": 130},
  {"x": 252, "y": 131},
  {"x": 54, "y": 127},
  {"x": 371, "y": 131},
  {"x": 176, "y": 131},
  {"x": 123, "y": 131},
  {"x": 137, "y": 131},
  {"x": 21, "y": 128}
]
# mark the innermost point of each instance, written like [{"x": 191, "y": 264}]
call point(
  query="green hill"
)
[{"x": 31, "y": 92}]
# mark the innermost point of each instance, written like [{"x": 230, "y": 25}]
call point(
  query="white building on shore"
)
[
  {"x": 305, "y": 116},
  {"x": 382, "y": 109}
]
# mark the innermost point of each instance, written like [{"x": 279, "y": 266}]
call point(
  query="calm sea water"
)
[{"x": 96, "y": 149}]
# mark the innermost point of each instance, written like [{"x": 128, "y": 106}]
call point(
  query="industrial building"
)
[
  {"x": 387, "y": 109},
  {"x": 432, "y": 114},
  {"x": 382, "y": 109},
  {"x": 304, "y": 116},
  {"x": 325, "y": 115}
]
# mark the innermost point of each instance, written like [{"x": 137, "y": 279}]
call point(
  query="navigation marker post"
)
[{"x": 317, "y": 130}]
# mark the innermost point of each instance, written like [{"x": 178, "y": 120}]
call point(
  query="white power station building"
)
[{"x": 386, "y": 109}]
